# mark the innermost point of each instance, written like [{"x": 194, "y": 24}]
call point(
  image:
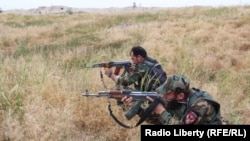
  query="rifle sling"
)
[{"x": 147, "y": 112}]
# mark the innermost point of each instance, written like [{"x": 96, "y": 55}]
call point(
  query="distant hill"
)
[{"x": 65, "y": 9}]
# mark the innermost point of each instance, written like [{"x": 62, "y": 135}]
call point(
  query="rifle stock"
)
[{"x": 118, "y": 94}]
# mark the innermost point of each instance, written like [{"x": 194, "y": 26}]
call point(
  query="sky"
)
[{"x": 30, "y": 4}]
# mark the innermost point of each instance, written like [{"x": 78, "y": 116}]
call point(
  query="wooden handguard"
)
[{"x": 117, "y": 70}]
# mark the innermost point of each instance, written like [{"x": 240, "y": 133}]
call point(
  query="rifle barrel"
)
[
  {"x": 118, "y": 94},
  {"x": 96, "y": 95}
]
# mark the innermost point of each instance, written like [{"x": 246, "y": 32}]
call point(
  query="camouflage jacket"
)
[
  {"x": 145, "y": 76},
  {"x": 199, "y": 104}
]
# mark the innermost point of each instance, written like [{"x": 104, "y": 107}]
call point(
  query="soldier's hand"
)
[
  {"x": 127, "y": 100},
  {"x": 108, "y": 71},
  {"x": 159, "y": 109}
]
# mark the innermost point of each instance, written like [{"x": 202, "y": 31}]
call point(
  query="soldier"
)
[
  {"x": 188, "y": 105},
  {"x": 146, "y": 75}
]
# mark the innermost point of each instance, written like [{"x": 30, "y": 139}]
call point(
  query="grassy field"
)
[{"x": 42, "y": 75}]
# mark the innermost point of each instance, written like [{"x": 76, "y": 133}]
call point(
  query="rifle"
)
[
  {"x": 119, "y": 65},
  {"x": 137, "y": 95},
  {"x": 118, "y": 94}
]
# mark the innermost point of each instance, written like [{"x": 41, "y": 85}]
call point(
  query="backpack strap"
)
[{"x": 157, "y": 73}]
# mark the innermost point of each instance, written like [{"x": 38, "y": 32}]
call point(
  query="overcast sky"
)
[{"x": 29, "y": 4}]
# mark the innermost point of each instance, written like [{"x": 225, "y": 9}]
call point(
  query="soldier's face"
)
[
  {"x": 171, "y": 100},
  {"x": 169, "y": 96},
  {"x": 136, "y": 59}
]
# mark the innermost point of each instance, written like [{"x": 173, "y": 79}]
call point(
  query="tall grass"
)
[{"x": 42, "y": 72}]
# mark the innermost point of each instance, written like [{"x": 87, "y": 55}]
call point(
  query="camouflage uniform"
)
[
  {"x": 145, "y": 76},
  {"x": 199, "y": 104}
]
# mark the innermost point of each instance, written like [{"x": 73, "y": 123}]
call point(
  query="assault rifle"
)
[
  {"x": 118, "y": 64},
  {"x": 137, "y": 95},
  {"x": 118, "y": 94}
]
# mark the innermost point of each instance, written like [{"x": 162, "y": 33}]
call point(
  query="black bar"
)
[{"x": 195, "y": 132}]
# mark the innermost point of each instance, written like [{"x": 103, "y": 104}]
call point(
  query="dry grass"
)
[{"x": 42, "y": 75}]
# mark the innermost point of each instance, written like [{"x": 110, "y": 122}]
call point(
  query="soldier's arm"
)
[
  {"x": 201, "y": 112},
  {"x": 164, "y": 116},
  {"x": 138, "y": 72}
]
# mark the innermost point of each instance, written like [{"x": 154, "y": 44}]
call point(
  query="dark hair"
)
[{"x": 138, "y": 50}]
